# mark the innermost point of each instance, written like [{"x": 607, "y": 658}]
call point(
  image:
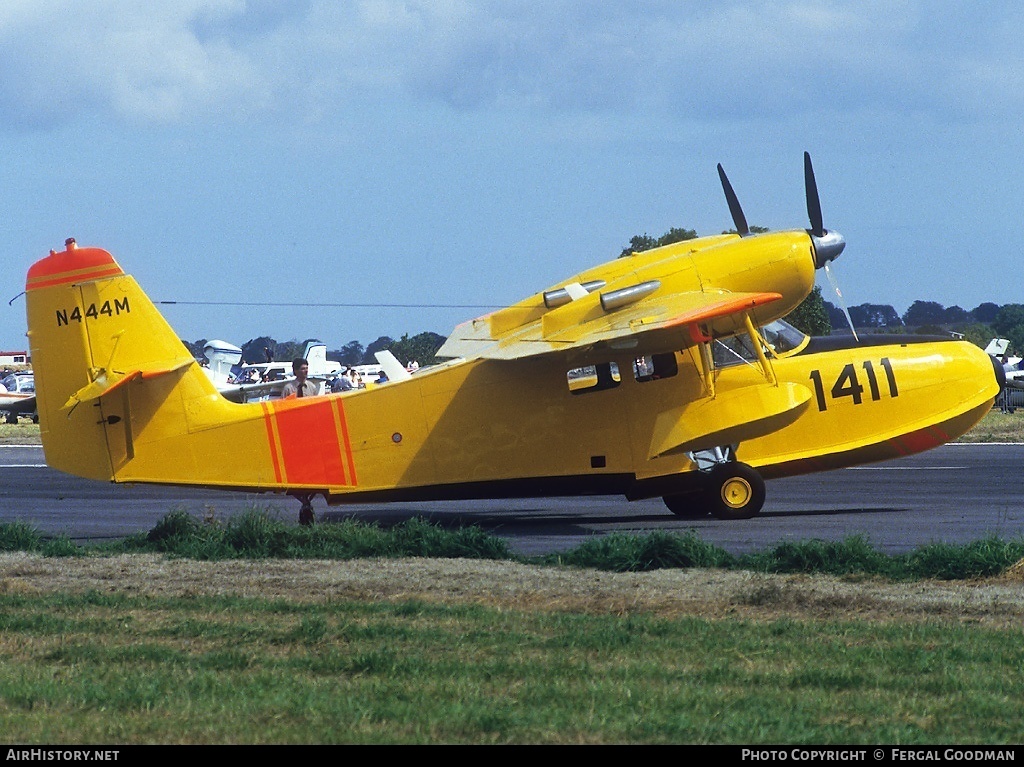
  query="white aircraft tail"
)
[
  {"x": 393, "y": 369},
  {"x": 222, "y": 356},
  {"x": 316, "y": 356},
  {"x": 997, "y": 347}
]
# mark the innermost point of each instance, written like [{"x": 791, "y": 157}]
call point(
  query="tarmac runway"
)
[{"x": 954, "y": 494}]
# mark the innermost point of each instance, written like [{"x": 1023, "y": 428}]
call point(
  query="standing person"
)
[
  {"x": 342, "y": 383},
  {"x": 300, "y": 386}
]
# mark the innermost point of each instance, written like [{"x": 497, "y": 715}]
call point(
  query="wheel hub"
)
[{"x": 736, "y": 492}]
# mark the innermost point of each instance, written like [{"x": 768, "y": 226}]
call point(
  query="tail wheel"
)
[
  {"x": 306, "y": 515},
  {"x": 735, "y": 491}
]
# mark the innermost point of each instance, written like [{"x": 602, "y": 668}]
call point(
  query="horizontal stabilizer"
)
[
  {"x": 107, "y": 381},
  {"x": 728, "y": 418}
]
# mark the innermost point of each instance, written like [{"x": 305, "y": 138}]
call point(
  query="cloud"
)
[
  {"x": 230, "y": 59},
  {"x": 135, "y": 61}
]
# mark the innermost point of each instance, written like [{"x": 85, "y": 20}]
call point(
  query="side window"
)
[
  {"x": 594, "y": 378},
  {"x": 653, "y": 367}
]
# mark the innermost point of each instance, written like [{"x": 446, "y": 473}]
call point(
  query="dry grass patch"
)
[{"x": 507, "y": 585}]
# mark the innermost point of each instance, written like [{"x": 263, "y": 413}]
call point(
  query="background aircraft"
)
[
  {"x": 998, "y": 348},
  {"x": 664, "y": 373},
  {"x": 18, "y": 396},
  {"x": 262, "y": 380}
]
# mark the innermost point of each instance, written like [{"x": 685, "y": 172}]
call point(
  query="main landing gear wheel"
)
[
  {"x": 734, "y": 491},
  {"x": 729, "y": 490}
]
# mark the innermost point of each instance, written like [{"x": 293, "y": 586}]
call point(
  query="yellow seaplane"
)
[{"x": 665, "y": 373}]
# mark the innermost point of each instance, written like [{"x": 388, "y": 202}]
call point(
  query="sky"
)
[{"x": 349, "y": 170}]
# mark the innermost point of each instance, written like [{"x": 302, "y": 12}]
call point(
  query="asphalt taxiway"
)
[{"x": 955, "y": 494}]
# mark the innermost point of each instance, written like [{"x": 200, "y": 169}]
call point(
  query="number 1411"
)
[{"x": 848, "y": 383}]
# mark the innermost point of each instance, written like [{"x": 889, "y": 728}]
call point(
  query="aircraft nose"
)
[{"x": 827, "y": 247}]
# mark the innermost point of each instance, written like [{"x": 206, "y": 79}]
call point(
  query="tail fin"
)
[
  {"x": 316, "y": 355},
  {"x": 92, "y": 332},
  {"x": 223, "y": 357},
  {"x": 122, "y": 399},
  {"x": 393, "y": 369}
]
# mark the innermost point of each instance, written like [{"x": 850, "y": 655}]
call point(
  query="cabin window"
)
[
  {"x": 653, "y": 367},
  {"x": 781, "y": 339},
  {"x": 594, "y": 378}
]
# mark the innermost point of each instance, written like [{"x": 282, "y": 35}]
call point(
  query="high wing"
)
[
  {"x": 643, "y": 319},
  {"x": 635, "y": 316}
]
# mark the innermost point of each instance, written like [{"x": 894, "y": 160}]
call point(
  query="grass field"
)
[
  {"x": 257, "y": 631},
  {"x": 997, "y": 427},
  {"x": 128, "y": 669}
]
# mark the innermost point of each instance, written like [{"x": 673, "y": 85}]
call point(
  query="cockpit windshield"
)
[{"x": 780, "y": 339}]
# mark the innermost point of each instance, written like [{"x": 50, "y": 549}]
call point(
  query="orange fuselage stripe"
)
[
  {"x": 309, "y": 442},
  {"x": 339, "y": 410},
  {"x": 275, "y": 446}
]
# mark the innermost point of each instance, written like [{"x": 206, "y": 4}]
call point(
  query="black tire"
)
[
  {"x": 735, "y": 491},
  {"x": 687, "y": 505}
]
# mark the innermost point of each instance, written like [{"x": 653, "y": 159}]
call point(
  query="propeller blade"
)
[
  {"x": 738, "y": 219},
  {"x": 813, "y": 201},
  {"x": 842, "y": 301}
]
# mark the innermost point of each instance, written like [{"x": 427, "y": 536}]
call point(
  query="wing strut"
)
[
  {"x": 755, "y": 340},
  {"x": 706, "y": 366}
]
